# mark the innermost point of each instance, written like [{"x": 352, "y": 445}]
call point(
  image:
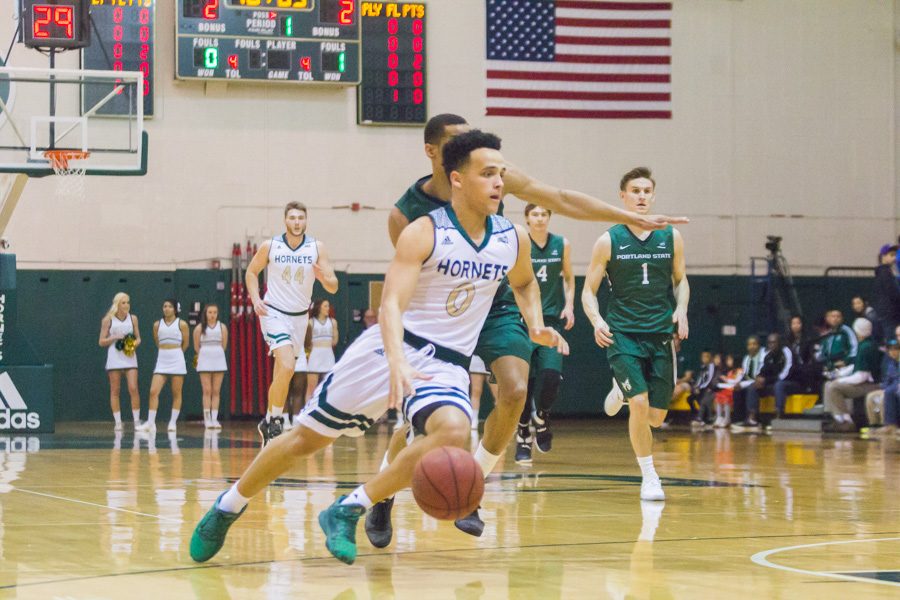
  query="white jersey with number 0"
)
[
  {"x": 458, "y": 281},
  {"x": 290, "y": 276}
]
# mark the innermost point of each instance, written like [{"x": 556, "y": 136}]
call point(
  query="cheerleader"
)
[
  {"x": 120, "y": 335},
  {"x": 323, "y": 335},
  {"x": 210, "y": 342},
  {"x": 172, "y": 336}
]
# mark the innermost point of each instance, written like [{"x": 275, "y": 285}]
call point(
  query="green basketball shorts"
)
[{"x": 644, "y": 363}]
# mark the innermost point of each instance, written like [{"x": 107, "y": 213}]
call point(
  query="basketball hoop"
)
[{"x": 68, "y": 165}]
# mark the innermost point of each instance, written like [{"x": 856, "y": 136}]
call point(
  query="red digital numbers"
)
[
  {"x": 417, "y": 45},
  {"x": 418, "y": 61},
  {"x": 306, "y": 63},
  {"x": 211, "y": 10},
  {"x": 51, "y": 21},
  {"x": 345, "y": 17}
]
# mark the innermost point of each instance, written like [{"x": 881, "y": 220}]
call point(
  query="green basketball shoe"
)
[
  {"x": 209, "y": 535},
  {"x": 339, "y": 524}
]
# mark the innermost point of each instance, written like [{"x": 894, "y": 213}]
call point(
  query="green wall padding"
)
[{"x": 60, "y": 312}]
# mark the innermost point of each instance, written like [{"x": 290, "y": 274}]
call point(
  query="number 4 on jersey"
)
[
  {"x": 542, "y": 273},
  {"x": 299, "y": 275}
]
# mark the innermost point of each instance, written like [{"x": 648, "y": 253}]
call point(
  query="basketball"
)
[{"x": 447, "y": 483}]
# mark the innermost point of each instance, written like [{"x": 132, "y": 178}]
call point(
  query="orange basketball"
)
[{"x": 447, "y": 483}]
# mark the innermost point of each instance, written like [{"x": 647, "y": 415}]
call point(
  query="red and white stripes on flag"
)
[{"x": 586, "y": 59}]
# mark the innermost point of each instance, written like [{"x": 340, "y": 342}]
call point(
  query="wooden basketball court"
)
[{"x": 87, "y": 515}]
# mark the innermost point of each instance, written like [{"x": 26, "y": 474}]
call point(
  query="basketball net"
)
[{"x": 70, "y": 170}]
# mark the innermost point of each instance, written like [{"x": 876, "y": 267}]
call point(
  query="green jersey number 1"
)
[{"x": 645, "y": 281}]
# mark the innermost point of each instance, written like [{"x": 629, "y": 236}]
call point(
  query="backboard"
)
[{"x": 55, "y": 109}]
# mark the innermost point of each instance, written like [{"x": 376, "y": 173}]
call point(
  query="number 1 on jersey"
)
[{"x": 645, "y": 281}]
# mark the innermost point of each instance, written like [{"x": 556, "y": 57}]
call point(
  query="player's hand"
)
[
  {"x": 602, "y": 335},
  {"x": 679, "y": 317},
  {"x": 317, "y": 271},
  {"x": 658, "y": 221},
  {"x": 547, "y": 336},
  {"x": 402, "y": 376},
  {"x": 568, "y": 315},
  {"x": 259, "y": 308}
]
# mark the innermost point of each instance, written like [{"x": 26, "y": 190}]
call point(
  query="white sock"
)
[
  {"x": 268, "y": 415},
  {"x": 646, "y": 465},
  {"x": 175, "y": 413},
  {"x": 358, "y": 496},
  {"x": 296, "y": 419},
  {"x": 215, "y": 415},
  {"x": 206, "y": 417},
  {"x": 232, "y": 501},
  {"x": 487, "y": 460},
  {"x": 117, "y": 416},
  {"x": 151, "y": 416},
  {"x": 384, "y": 463},
  {"x": 277, "y": 410}
]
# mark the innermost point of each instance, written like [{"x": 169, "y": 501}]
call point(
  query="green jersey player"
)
[
  {"x": 649, "y": 293},
  {"x": 552, "y": 265}
]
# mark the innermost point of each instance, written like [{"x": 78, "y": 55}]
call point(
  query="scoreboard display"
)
[
  {"x": 393, "y": 64},
  {"x": 299, "y": 41},
  {"x": 124, "y": 41}
]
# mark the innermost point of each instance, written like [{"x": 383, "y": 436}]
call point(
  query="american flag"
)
[{"x": 579, "y": 59}]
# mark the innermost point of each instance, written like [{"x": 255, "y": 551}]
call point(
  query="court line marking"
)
[
  {"x": 328, "y": 557},
  {"x": 761, "y": 559},
  {"x": 106, "y": 506}
]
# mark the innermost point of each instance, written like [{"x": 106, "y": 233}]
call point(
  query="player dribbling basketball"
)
[{"x": 437, "y": 293}]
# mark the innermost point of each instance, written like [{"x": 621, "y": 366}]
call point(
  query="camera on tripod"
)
[{"x": 774, "y": 243}]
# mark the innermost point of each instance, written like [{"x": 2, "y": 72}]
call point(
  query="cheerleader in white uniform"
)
[
  {"x": 172, "y": 336},
  {"x": 323, "y": 335},
  {"x": 117, "y": 326},
  {"x": 210, "y": 342}
]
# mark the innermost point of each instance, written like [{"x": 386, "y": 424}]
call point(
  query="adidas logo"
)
[
  {"x": 503, "y": 239},
  {"x": 380, "y": 351},
  {"x": 14, "y": 413},
  {"x": 555, "y": 253},
  {"x": 447, "y": 241}
]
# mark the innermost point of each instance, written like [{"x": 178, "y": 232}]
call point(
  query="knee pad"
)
[{"x": 550, "y": 382}]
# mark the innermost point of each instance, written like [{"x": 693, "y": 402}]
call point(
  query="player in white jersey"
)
[
  {"x": 437, "y": 293},
  {"x": 293, "y": 261}
]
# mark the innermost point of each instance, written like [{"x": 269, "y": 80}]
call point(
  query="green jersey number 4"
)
[{"x": 542, "y": 273}]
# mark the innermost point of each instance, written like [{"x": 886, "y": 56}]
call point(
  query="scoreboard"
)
[
  {"x": 393, "y": 63},
  {"x": 299, "y": 41},
  {"x": 124, "y": 41}
]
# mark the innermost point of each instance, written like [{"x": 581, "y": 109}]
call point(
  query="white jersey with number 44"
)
[
  {"x": 458, "y": 281},
  {"x": 290, "y": 276}
]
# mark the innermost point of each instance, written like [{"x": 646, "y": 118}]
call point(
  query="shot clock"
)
[{"x": 55, "y": 24}]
